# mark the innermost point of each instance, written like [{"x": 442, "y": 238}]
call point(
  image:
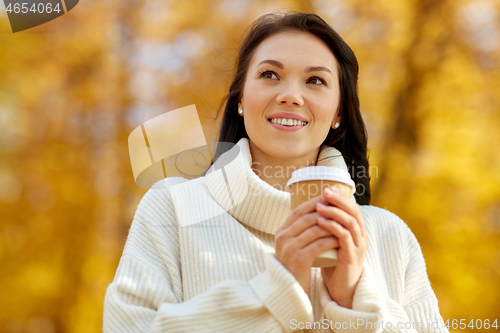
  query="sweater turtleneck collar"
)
[{"x": 245, "y": 196}]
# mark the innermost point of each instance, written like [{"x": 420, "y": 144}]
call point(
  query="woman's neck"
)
[{"x": 276, "y": 171}]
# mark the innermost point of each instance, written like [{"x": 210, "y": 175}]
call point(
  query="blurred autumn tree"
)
[{"x": 73, "y": 89}]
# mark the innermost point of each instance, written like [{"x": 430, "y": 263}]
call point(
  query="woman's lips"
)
[{"x": 285, "y": 127}]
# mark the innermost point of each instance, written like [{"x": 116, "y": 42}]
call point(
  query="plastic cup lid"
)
[{"x": 321, "y": 173}]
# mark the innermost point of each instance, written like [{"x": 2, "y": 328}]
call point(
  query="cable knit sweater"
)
[{"x": 199, "y": 257}]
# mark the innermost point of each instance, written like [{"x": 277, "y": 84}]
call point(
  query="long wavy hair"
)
[{"x": 351, "y": 136}]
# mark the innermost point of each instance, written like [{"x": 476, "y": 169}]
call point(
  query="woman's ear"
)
[
  {"x": 240, "y": 108},
  {"x": 336, "y": 122}
]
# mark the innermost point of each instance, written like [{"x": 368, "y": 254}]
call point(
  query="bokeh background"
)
[{"x": 73, "y": 89}]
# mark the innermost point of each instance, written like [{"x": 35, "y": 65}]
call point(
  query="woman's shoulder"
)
[
  {"x": 383, "y": 222},
  {"x": 381, "y": 214},
  {"x": 167, "y": 183},
  {"x": 158, "y": 199}
]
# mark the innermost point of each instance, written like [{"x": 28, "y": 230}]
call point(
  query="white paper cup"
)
[{"x": 309, "y": 182}]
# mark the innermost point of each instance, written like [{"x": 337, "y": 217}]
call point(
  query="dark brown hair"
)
[{"x": 351, "y": 137}]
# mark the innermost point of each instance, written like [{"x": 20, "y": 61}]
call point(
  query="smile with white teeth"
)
[{"x": 288, "y": 122}]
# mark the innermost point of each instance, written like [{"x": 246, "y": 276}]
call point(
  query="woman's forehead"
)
[{"x": 295, "y": 48}]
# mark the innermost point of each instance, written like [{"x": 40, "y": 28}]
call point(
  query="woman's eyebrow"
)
[
  {"x": 272, "y": 62},
  {"x": 307, "y": 70},
  {"x": 318, "y": 69}
]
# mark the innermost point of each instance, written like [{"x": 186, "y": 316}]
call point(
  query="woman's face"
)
[{"x": 292, "y": 75}]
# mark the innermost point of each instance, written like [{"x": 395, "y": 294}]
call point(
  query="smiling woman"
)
[
  {"x": 309, "y": 73},
  {"x": 225, "y": 253},
  {"x": 282, "y": 84}
]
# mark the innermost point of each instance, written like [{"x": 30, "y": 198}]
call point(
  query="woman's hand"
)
[
  {"x": 343, "y": 219},
  {"x": 300, "y": 240}
]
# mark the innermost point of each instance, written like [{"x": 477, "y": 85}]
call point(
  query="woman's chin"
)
[{"x": 292, "y": 154}]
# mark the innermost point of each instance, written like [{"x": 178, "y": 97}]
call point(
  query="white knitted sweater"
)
[{"x": 199, "y": 257}]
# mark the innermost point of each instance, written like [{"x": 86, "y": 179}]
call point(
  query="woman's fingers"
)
[
  {"x": 340, "y": 216},
  {"x": 306, "y": 207},
  {"x": 300, "y": 240},
  {"x": 300, "y": 233},
  {"x": 346, "y": 204},
  {"x": 319, "y": 246},
  {"x": 312, "y": 234},
  {"x": 302, "y": 224},
  {"x": 343, "y": 235}
]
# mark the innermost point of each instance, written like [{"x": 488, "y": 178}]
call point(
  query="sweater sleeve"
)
[
  {"x": 146, "y": 292},
  {"x": 373, "y": 312}
]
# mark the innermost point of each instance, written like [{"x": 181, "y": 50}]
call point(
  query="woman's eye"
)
[
  {"x": 268, "y": 74},
  {"x": 273, "y": 76},
  {"x": 317, "y": 80}
]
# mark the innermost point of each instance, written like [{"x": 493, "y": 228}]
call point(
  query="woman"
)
[{"x": 224, "y": 253}]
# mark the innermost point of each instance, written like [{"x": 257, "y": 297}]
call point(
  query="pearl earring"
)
[
  {"x": 240, "y": 110},
  {"x": 337, "y": 124}
]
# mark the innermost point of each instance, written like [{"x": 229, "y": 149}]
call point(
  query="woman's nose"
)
[{"x": 290, "y": 94}]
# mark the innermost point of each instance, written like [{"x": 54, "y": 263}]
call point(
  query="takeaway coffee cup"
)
[{"x": 309, "y": 182}]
